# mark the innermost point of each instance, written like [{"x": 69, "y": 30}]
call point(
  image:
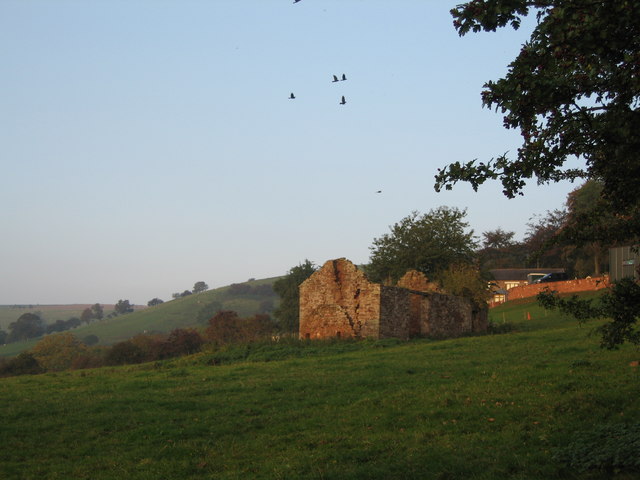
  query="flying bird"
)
[
  {"x": 292, "y": 97},
  {"x": 296, "y": 1},
  {"x": 344, "y": 77},
  {"x": 343, "y": 101},
  {"x": 335, "y": 79},
  {"x": 379, "y": 191}
]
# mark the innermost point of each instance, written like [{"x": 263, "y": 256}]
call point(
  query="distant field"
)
[
  {"x": 179, "y": 313},
  {"x": 49, "y": 313},
  {"x": 506, "y": 406}
]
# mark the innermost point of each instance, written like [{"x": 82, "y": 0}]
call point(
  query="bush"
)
[
  {"x": 607, "y": 448},
  {"x": 23, "y": 364}
]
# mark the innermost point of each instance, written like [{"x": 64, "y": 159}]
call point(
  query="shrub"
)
[
  {"x": 23, "y": 364},
  {"x": 607, "y": 448}
]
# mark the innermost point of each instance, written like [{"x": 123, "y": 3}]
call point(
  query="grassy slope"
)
[
  {"x": 475, "y": 408},
  {"x": 165, "y": 317}
]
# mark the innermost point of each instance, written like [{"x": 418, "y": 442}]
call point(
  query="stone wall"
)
[{"x": 339, "y": 301}]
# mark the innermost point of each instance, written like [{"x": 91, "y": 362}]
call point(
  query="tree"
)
[
  {"x": 540, "y": 239},
  {"x": 24, "y": 364},
  {"x": 428, "y": 243},
  {"x": 288, "y": 312},
  {"x": 223, "y": 328},
  {"x": 500, "y": 250},
  {"x": 581, "y": 204},
  {"x": 122, "y": 307},
  {"x": 123, "y": 353},
  {"x": 28, "y": 325},
  {"x": 153, "y": 302},
  {"x": 186, "y": 293},
  {"x": 86, "y": 316},
  {"x": 3, "y": 337},
  {"x": 57, "y": 352},
  {"x": 573, "y": 91},
  {"x": 465, "y": 280},
  {"x": 620, "y": 304},
  {"x": 181, "y": 342},
  {"x": 200, "y": 287},
  {"x": 98, "y": 311}
]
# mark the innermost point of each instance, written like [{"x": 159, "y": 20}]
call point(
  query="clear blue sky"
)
[{"x": 149, "y": 144}]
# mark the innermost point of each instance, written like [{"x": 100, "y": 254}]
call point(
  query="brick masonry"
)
[
  {"x": 339, "y": 301},
  {"x": 567, "y": 286}
]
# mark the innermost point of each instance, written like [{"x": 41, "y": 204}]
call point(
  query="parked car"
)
[{"x": 553, "y": 277}]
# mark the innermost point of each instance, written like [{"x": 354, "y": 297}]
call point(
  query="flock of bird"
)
[
  {"x": 343, "y": 100},
  {"x": 335, "y": 79}
]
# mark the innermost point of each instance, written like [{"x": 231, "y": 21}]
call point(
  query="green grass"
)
[
  {"x": 485, "y": 407},
  {"x": 179, "y": 313}
]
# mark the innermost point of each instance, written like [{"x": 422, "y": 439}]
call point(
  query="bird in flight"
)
[
  {"x": 379, "y": 191},
  {"x": 344, "y": 77},
  {"x": 343, "y": 101},
  {"x": 296, "y": 1},
  {"x": 292, "y": 96},
  {"x": 335, "y": 79}
]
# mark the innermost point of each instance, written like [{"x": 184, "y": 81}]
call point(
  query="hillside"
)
[
  {"x": 541, "y": 402},
  {"x": 178, "y": 313}
]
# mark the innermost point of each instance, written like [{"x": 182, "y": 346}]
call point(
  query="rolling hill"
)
[{"x": 245, "y": 298}]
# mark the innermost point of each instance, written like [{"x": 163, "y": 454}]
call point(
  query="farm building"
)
[{"x": 339, "y": 301}]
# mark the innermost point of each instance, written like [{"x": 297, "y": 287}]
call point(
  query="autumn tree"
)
[
  {"x": 57, "y": 352},
  {"x": 428, "y": 243},
  {"x": 223, "y": 328},
  {"x": 288, "y": 311}
]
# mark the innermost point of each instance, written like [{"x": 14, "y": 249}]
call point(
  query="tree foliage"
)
[
  {"x": 200, "y": 287},
  {"x": 428, "y": 243},
  {"x": 465, "y": 280},
  {"x": 58, "y": 352},
  {"x": 500, "y": 250},
  {"x": 154, "y": 301},
  {"x": 98, "y": 311},
  {"x": 573, "y": 92},
  {"x": 620, "y": 304},
  {"x": 28, "y": 325},
  {"x": 123, "y": 307},
  {"x": 288, "y": 311}
]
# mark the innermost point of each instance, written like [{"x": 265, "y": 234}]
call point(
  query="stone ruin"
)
[{"x": 339, "y": 301}]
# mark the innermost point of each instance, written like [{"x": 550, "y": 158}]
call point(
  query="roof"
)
[{"x": 521, "y": 273}]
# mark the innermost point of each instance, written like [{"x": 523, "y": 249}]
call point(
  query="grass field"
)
[{"x": 486, "y": 407}]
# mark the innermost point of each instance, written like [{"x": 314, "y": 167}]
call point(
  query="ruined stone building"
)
[{"x": 339, "y": 301}]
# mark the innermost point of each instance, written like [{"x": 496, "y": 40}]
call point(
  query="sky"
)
[{"x": 146, "y": 145}]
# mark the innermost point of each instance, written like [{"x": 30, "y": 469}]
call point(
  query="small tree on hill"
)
[
  {"x": 153, "y": 302},
  {"x": 200, "y": 287},
  {"x": 123, "y": 307}
]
